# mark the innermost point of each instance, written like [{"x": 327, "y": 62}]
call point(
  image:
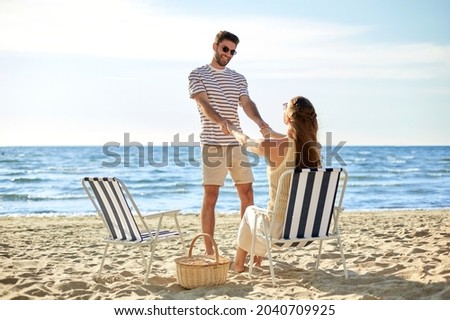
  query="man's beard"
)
[{"x": 219, "y": 61}]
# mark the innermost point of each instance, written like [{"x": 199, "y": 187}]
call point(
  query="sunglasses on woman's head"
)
[{"x": 226, "y": 49}]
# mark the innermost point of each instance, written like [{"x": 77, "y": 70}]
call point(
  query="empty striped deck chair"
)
[
  {"x": 127, "y": 227},
  {"x": 312, "y": 212}
]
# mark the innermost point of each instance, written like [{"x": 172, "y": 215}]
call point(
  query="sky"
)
[{"x": 90, "y": 72}]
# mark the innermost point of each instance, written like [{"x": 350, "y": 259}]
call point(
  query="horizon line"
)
[{"x": 198, "y": 145}]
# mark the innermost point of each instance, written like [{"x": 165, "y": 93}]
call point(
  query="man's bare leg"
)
[
  {"x": 245, "y": 192},
  {"x": 208, "y": 219}
]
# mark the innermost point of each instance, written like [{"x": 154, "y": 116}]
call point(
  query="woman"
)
[{"x": 297, "y": 148}]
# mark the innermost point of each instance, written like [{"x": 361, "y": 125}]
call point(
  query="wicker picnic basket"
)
[{"x": 197, "y": 271}]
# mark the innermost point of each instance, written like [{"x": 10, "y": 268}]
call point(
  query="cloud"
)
[
  {"x": 374, "y": 61},
  {"x": 271, "y": 47}
]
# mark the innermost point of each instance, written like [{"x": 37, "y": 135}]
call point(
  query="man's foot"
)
[{"x": 237, "y": 269}]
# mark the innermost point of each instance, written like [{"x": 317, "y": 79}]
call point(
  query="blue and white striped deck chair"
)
[
  {"x": 312, "y": 212},
  {"x": 111, "y": 199}
]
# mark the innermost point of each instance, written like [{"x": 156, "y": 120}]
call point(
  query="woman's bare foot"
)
[{"x": 257, "y": 261}]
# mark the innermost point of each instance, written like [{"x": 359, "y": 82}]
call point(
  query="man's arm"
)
[
  {"x": 202, "y": 100},
  {"x": 252, "y": 112}
]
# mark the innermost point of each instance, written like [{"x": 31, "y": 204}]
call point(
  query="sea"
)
[{"x": 47, "y": 180}]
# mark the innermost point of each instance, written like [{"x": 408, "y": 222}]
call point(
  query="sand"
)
[{"x": 390, "y": 255}]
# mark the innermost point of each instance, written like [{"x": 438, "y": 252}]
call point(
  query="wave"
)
[
  {"x": 403, "y": 170},
  {"x": 49, "y": 213},
  {"x": 9, "y": 161},
  {"x": 26, "y": 180},
  {"x": 32, "y": 197},
  {"x": 376, "y": 184}
]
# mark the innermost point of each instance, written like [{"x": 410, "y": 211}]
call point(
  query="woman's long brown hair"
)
[{"x": 303, "y": 122}]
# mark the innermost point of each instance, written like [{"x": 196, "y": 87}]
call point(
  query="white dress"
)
[{"x": 247, "y": 225}]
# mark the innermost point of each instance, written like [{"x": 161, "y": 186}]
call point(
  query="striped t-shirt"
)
[{"x": 224, "y": 87}]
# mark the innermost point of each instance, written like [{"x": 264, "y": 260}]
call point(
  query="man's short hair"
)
[{"x": 225, "y": 35}]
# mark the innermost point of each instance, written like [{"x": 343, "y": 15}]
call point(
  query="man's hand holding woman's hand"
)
[
  {"x": 241, "y": 137},
  {"x": 224, "y": 126}
]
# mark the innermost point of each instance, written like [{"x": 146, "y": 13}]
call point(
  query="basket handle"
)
[{"x": 216, "y": 250}]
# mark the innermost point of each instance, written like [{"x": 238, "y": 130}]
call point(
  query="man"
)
[{"x": 218, "y": 91}]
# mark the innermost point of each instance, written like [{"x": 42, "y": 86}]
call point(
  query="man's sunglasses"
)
[{"x": 226, "y": 49}]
